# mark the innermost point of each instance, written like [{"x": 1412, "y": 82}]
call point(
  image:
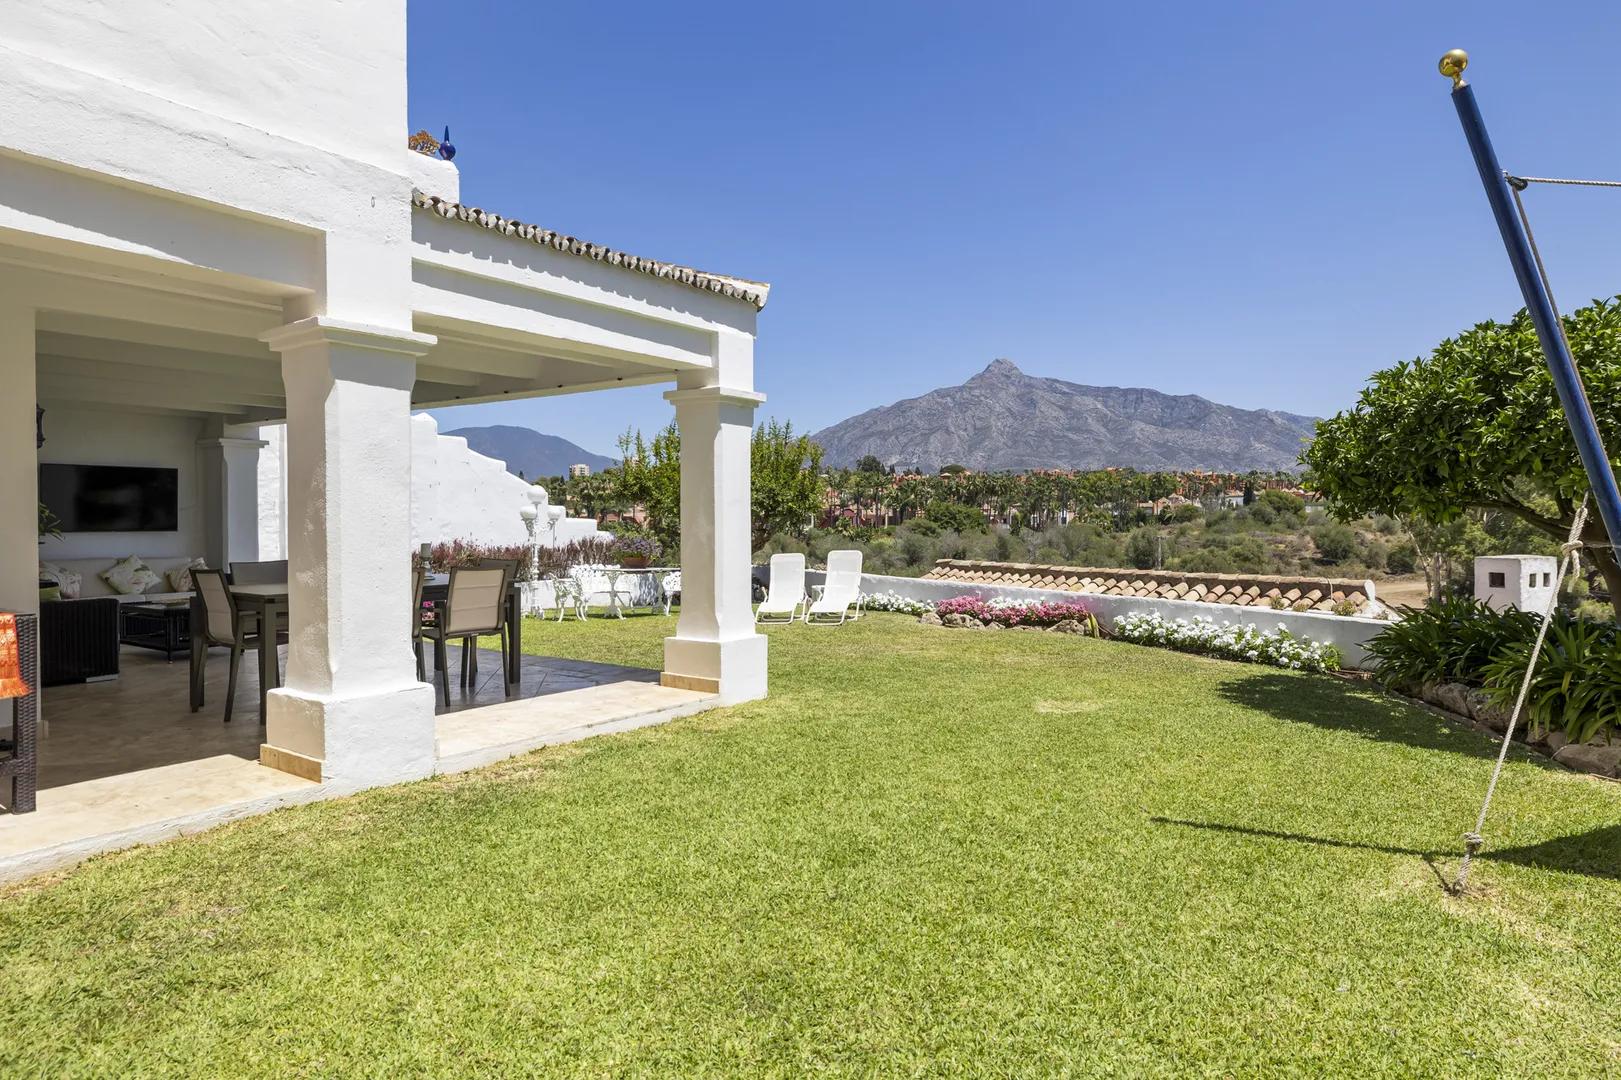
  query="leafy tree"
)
[
  {"x": 649, "y": 475},
  {"x": 786, "y": 481},
  {"x": 955, "y": 516},
  {"x": 1403, "y": 558},
  {"x": 952, "y": 470},
  {"x": 1335, "y": 542},
  {"x": 1477, "y": 425},
  {"x": 1143, "y": 547},
  {"x": 1291, "y": 508},
  {"x": 870, "y": 464}
]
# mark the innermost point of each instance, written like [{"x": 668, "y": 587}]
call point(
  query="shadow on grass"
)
[
  {"x": 1595, "y": 853},
  {"x": 1333, "y": 705}
]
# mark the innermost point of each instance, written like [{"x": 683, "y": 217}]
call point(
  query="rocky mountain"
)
[
  {"x": 1005, "y": 419},
  {"x": 530, "y": 452}
]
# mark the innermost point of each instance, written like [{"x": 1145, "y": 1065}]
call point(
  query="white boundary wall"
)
[{"x": 1347, "y": 633}]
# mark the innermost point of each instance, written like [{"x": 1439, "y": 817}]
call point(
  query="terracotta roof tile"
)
[
  {"x": 752, "y": 292},
  {"x": 1242, "y": 590}
]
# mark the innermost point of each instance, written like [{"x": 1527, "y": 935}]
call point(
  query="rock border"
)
[{"x": 1599, "y": 757}]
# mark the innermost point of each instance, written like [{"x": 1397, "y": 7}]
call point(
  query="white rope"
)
[
  {"x": 1569, "y": 562},
  {"x": 1521, "y": 181}
]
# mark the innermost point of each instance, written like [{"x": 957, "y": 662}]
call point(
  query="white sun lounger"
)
[
  {"x": 840, "y": 597},
  {"x": 787, "y": 593}
]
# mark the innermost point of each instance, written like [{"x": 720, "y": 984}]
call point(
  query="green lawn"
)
[{"x": 930, "y": 851}]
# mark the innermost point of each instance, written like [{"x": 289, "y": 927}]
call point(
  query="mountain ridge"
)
[
  {"x": 1002, "y": 418},
  {"x": 528, "y": 452}
]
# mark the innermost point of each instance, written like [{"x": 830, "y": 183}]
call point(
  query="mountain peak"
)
[
  {"x": 1004, "y": 419},
  {"x": 999, "y": 369}
]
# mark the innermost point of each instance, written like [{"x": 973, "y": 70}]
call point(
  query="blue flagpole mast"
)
[{"x": 1572, "y": 395}]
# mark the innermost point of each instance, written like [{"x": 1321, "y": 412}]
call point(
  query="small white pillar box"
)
[
  {"x": 1527, "y": 582},
  {"x": 352, "y": 712}
]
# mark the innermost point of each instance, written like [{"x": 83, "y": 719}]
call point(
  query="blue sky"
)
[{"x": 1259, "y": 203}]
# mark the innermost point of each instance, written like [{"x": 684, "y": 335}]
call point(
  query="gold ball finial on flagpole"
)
[{"x": 1452, "y": 65}]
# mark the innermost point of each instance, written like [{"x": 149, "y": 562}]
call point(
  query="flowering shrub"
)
[
  {"x": 894, "y": 601},
  {"x": 1230, "y": 641},
  {"x": 460, "y": 554},
  {"x": 590, "y": 551},
  {"x": 637, "y": 547},
  {"x": 1007, "y": 612}
]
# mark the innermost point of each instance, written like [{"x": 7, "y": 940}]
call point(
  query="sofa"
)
[
  {"x": 78, "y": 637},
  {"x": 91, "y": 585}
]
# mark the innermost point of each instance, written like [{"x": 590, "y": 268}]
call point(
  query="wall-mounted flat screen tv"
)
[{"x": 111, "y": 498}]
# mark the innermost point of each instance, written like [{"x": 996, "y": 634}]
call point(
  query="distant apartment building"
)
[{"x": 577, "y": 471}]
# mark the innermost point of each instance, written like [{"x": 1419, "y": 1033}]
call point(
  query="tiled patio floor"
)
[{"x": 126, "y": 762}]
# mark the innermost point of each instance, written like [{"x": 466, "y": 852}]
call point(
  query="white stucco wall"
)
[
  {"x": 1346, "y": 633},
  {"x": 266, "y": 62},
  {"x": 457, "y": 494},
  {"x": 272, "y": 523},
  {"x": 291, "y": 117},
  {"x": 96, "y": 437}
]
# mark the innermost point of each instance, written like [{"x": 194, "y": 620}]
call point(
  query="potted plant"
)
[
  {"x": 636, "y": 552},
  {"x": 50, "y": 526}
]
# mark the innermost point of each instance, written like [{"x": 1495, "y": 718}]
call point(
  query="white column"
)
[
  {"x": 351, "y": 711},
  {"x": 715, "y": 647},
  {"x": 230, "y": 469},
  {"x": 19, "y": 462},
  {"x": 272, "y": 487}
]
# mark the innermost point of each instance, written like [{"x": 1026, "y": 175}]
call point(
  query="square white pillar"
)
[
  {"x": 351, "y": 712},
  {"x": 230, "y": 471},
  {"x": 19, "y": 462},
  {"x": 715, "y": 647}
]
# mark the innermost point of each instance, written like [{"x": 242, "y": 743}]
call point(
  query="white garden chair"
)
[
  {"x": 566, "y": 594},
  {"x": 671, "y": 584},
  {"x": 787, "y": 593},
  {"x": 598, "y": 582},
  {"x": 839, "y": 597}
]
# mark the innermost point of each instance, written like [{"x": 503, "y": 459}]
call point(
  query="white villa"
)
[{"x": 213, "y": 237}]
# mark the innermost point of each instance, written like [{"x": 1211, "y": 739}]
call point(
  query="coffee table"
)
[{"x": 165, "y": 628}]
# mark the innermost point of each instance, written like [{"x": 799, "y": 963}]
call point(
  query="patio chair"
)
[
  {"x": 840, "y": 591},
  {"x": 509, "y": 572},
  {"x": 273, "y": 572},
  {"x": 472, "y": 608},
  {"x": 671, "y": 584},
  {"x": 787, "y": 594},
  {"x": 419, "y": 578},
  {"x": 565, "y": 594},
  {"x": 225, "y": 626}
]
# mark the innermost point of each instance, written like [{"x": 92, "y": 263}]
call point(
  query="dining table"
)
[{"x": 269, "y": 600}]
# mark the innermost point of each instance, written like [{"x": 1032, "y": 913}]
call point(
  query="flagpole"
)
[{"x": 1568, "y": 382}]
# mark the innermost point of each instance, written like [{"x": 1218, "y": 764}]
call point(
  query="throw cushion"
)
[
  {"x": 130, "y": 576},
  {"x": 180, "y": 577},
  {"x": 50, "y": 592},
  {"x": 66, "y": 580}
]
